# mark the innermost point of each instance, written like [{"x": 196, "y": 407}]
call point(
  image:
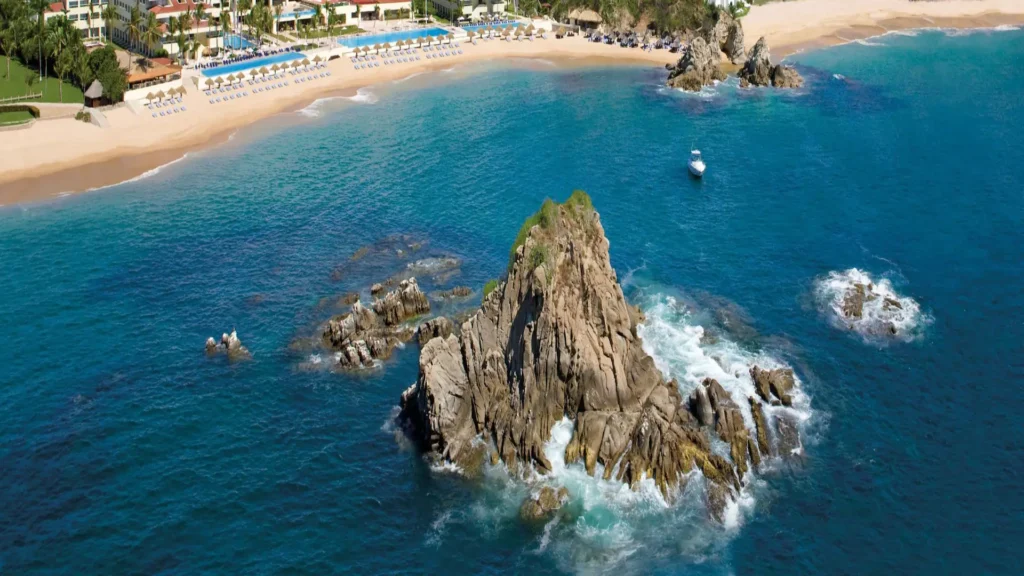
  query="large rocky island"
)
[{"x": 557, "y": 339}]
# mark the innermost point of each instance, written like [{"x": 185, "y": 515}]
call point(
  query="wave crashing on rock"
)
[
  {"x": 557, "y": 347},
  {"x": 853, "y": 300}
]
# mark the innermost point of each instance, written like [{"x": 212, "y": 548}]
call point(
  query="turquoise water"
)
[
  {"x": 236, "y": 42},
  {"x": 254, "y": 63},
  {"x": 125, "y": 450},
  {"x": 372, "y": 39}
]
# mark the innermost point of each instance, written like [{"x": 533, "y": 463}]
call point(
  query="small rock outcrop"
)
[
  {"x": 540, "y": 505},
  {"x": 229, "y": 344},
  {"x": 773, "y": 386},
  {"x": 366, "y": 335},
  {"x": 759, "y": 70},
  {"x": 456, "y": 292},
  {"x": 699, "y": 66},
  {"x": 557, "y": 340},
  {"x": 436, "y": 328}
]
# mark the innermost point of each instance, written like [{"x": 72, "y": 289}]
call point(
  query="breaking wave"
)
[
  {"x": 884, "y": 314},
  {"x": 608, "y": 527}
]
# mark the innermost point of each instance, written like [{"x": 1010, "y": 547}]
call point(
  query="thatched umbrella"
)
[
  {"x": 150, "y": 96},
  {"x": 470, "y": 35},
  {"x": 317, "y": 59},
  {"x": 387, "y": 45},
  {"x": 264, "y": 71},
  {"x": 305, "y": 61},
  {"x": 254, "y": 73},
  {"x": 160, "y": 95},
  {"x": 209, "y": 83},
  {"x": 181, "y": 90},
  {"x": 377, "y": 47},
  {"x": 275, "y": 68},
  {"x": 219, "y": 81},
  {"x": 430, "y": 39},
  {"x": 296, "y": 64}
]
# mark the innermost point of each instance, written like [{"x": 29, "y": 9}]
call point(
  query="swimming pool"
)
[
  {"x": 476, "y": 27},
  {"x": 254, "y": 63},
  {"x": 390, "y": 37},
  {"x": 236, "y": 42}
]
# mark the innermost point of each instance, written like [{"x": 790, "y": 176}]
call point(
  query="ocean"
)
[{"x": 125, "y": 450}]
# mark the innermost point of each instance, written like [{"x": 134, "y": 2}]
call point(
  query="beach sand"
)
[
  {"x": 808, "y": 24},
  {"x": 58, "y": 157}
]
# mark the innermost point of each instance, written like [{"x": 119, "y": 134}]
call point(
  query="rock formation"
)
[
  {"x": 726, "y": 34},
  {"x": 759, "y": 71},
  {"x": 456, "y": 292},
  {"x": 365, "y": 335},
  {"x": 230, "y": 345},
  {"x": 436, "y": 328},
  {"x": 697, "y": 67},
  {"x": 557, "y": 339}
]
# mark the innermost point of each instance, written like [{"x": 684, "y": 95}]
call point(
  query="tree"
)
[
  {"x": 278, "y": 10},
  {"x": 151, "y": 36},
  {"x": 40, "y": 7},
  {"x": 134, "y": 31},
  {"x": 58, "y": 40},
  {"x": 9, "y": 43},
  {"x": 109, "y": 14},
  {"x": 90, "y": 15},
  {"x": 200, "y": 14},
  {"x": 332, "y": 21},
  {"x": 318, "y": 16}
]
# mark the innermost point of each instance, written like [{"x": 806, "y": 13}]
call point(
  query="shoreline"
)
[{"x": 57, "y": 158}]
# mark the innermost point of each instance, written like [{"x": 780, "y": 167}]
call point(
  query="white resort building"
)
[
  {"x": 471, "y": 9},
  {"x": 85, "y": 14}
]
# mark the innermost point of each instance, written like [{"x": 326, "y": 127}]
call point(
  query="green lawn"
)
[
  {"x": 16, "y": 86},
  {"x": 19, "y": 117}
]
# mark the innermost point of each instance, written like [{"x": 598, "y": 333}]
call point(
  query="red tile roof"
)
[
  {"x": 173, "y": 6},
  {"x": 56, "y": 7},
  {"x": 371, "y": 2}
]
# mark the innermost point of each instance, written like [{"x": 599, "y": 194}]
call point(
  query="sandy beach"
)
[{"x": 57, "y": 157}]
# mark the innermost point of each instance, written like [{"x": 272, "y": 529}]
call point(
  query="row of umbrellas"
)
[
  {"x": 400, "y": 43},
  {"x": 169, "y": 94},
  {"x": 508, "y": 30},
  {"x": 264, "y": 71}
]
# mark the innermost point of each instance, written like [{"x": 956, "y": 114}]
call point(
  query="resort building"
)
[
  {"x": 472, "y": 9},
  {"x": 85, "y": 14}
]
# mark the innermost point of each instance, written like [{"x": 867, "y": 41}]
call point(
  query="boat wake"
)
[{"x": 854, "y": 300}]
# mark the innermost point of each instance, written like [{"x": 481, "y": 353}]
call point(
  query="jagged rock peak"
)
[
  {"x": 557, "y": 339},
  {"x": 759, "y": 70},
  {"x": 699, "y": 66}
]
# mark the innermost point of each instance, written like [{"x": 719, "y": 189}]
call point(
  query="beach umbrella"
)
[
  {"x": 317, "y": 59},
  {"x": 254, "y": 73},
  {"x": 430, "y": 39},
  {"x": 296, "y": 64},
  {"x": 305, "y": 61},
  {"x": 219, "y": 81},
  {"x": 377, "y": 47},
  {"x": 209, "y": 82},
  {"x": 275, "y": 68},
  {"x": 264, "y": 71},
  {"x": 387, "y": 45},
  {"x": 150, "y": 96},
  {"x": 160, "y": 95}
]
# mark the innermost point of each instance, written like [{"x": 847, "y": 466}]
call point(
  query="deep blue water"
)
[{"x": 124, "y": 450}]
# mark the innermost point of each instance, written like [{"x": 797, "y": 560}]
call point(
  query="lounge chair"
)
[
  {"x": 154, "y": 114},
  {"x": 183, "y": 108}
]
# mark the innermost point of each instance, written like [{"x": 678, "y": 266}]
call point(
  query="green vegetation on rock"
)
[
  {"x": 546, "y": 217},
  {"x": 489, "y": 287}
]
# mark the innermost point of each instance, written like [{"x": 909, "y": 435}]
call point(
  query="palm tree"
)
[
  {"x": 244, "y": 6},
  {"x": 134, "y": 31},
  {"x": 151, "y": 37},
  {"x": 332, "y": 21},
  {"x": 318, "y": 16},
  {"x": 58, "y": 38},
  {"x": 90, "y": 15},
  {"x": 40, "y": 7},
  {"x": 278, "y": 10},
  {"x": 9, "y": 44},
  {"x": 200, "y": 13},
  {"x": 109, "y": 14}
]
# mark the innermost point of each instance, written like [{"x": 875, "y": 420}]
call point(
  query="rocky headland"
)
[{"x": 556, "y": 339}]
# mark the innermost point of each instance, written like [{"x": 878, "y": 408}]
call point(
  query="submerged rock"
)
[
  {"x": 540, "y": 505},
  {"x": 759, "y": 70},
  {"x": 366, "y": 335},
  {"x": 557, "y": 340},
  {"x": 699, "y": 66},
  {"x": 873, "y": 309},
  {"x": 229, "y": 344}
]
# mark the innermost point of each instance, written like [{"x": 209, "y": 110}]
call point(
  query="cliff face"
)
[
  {"x": 699, "y": 66},
  {"x": 556, "y": 339},
  {"x": 759, "y": 70}
]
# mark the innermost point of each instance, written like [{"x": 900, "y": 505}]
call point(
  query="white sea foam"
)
[
  {"x": 315, "y": 359},
  {"x": 143, "y": 176},
  {"x": 879, "y": 316},
  {"x": 406, "y": 78},
  {"x": 868, "y": 42},
  {"x": 839, "y": 77},
  {"x": 315, "y": 108},
  {"x": 438, "y": 528}
]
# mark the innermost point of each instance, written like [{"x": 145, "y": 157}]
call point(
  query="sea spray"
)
[{"x": 878, "y": 315}]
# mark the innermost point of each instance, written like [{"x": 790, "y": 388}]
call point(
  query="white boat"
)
[{"x": 696, "y": 164}]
